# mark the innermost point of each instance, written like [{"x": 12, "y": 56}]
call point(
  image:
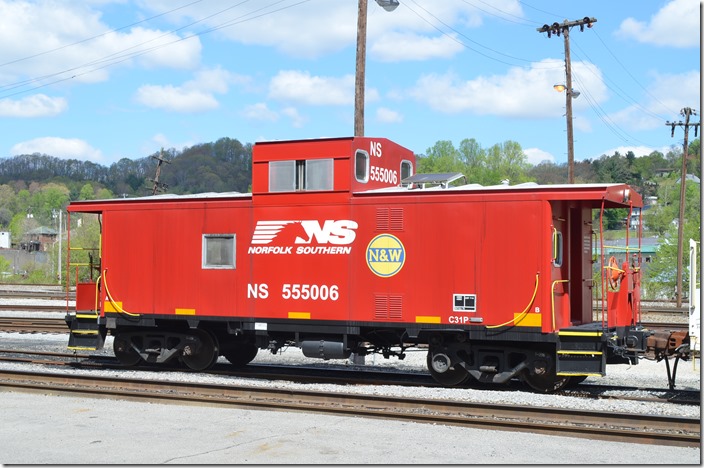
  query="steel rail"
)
[
  {"x": 36, "y": 307},
  {"x": 634, "y": 428},
  {"x": 33, "y": 325},
  {"x": 343, "y": 376}
]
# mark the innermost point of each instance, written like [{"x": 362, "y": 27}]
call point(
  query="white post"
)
[
  {"x": 694, "y": 305},
  {"x": 60, "y": 236}
]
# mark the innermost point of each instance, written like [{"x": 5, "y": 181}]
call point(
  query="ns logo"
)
[
  {"x": 375, "y": 149},
  {"x": 335, "y": 232}
]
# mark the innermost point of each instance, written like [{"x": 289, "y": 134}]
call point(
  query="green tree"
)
[
  {"x": 87, "y": 192},
  {"x": 104, "y": 194},
  {"x": 48, "y": 198},
  {"x": 20, "y": 225},
  {"x": 505, "y": 161},
  {"x": 5, "y": 267},
  {"x": 661, "y": 277},
  {"x": 85, "y": 234},
  {"x": 442, "y": 157},
  {"x": 473, "y": 157}
]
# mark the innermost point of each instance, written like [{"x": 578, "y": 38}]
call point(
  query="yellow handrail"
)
[
  {"x": 525, "y": 311},
  {"x": 117, "y": 307}
]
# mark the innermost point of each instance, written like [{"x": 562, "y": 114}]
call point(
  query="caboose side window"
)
[
  {"x": 557, "y": 248},
  {"x": 218, "y": 251},
  {"x": 406, "y": 169},
  {"x": 319, "y": 174},
  {"x": 303, "y": 174},
  {"x": 282, "y": 176},
  {"x": 361, "y": 166}
]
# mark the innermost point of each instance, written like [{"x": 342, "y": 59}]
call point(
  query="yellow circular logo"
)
[{"x": 385, "y": 255}]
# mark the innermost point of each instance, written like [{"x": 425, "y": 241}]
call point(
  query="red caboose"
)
[{"x": 341, "y": 249}]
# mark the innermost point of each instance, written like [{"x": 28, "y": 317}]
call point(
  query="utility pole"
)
[
  {"x": 564, "y": 29},
  {"x": 159, "y": 186},
  {"x": 360, "y": 68},
  {"x": 686, "y": 113}
]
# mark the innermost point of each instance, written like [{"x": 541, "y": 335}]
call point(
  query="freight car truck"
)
[{"x": 341, "y": 248}]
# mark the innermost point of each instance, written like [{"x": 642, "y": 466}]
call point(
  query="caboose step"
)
[
  {"x": 85, "y": 333},
  {"x": 581, "y": 352}
]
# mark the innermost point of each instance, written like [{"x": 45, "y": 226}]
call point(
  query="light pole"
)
[
  {"x": 564, "y": 29},
  {"x": 569, "y": 95},
  {"x": 388, "y": 5},
  {"x": 54, "y": 214}
]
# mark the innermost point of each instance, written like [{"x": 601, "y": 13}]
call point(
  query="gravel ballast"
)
[{"x": 62, "y": 430}]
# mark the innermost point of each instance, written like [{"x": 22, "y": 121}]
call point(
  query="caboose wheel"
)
[
  {"x": 200, "y": 356},
  {"x": 443, "y": 373},
  {"x": 545, "y": 383},
  {"x": 240, "y": 354},
  {"x": 124, "y": 352}
]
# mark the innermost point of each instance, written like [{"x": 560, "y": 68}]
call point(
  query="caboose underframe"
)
[{"x": 339, "y": 250}]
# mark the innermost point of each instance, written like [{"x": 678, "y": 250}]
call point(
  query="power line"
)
[
  {"x": 39, "y": 54},
  {"x": 466, "y": 37},
  {"x": 627, "y": 71},
  {"x": 122, "y": 58}
]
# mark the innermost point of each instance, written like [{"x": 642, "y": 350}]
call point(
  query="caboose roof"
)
[
  {"x": 615, "y": 195},
  {"x": 87, "y": 206}
]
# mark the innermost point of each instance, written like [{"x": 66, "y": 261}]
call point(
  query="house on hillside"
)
[
  {"x": 690, "y": 178},
  {"x": 634, "y": 221},
  {"x": 38, "y": 239}
]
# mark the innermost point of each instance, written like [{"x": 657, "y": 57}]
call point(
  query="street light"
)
[
  {"x": 570, "y": 93},
  {"x": 561, "y": 88},
  {"x": 388, "y": 5}
]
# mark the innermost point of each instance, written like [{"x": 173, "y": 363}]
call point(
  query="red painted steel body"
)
[{"x": 361, "y": 252}]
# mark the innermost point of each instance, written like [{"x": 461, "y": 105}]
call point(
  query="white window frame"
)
[{"x": 230, "y": 263}]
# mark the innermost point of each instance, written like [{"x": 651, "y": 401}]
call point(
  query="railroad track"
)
[
  {"x": 634, "y": 428},
  {"x": 53, "y": 295},
  {"x": 345, "y": 376},
  {"x": 33, "y": 325}
]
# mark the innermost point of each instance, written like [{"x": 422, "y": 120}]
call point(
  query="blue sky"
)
[{"x": 102, "y": 80}]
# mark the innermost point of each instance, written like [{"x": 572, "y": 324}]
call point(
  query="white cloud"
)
[
  {"x": 639, "y": 151},
  {"x": 388, "y": 116},
  {"x": 301, "y": 87},
  {"x": 68, "y": 41},
  {"x": 666, "y": 96},
  {"x": 581, "y": 124},
  {"x": 521, "y": 92},
  {"x": 312, "y": 30},
  {"x": 64, "y": 148},
  {"x": 159, "y": 141},
  {"x": 395, "y": 47},
  {"x": 535, "y": 156},
  {"x": 38, "y": 105},
  {"x": 675, "y": 25},
  {"x": 297, "y": 120},
  {"x": 260, "y": 111},
  {"x": 174, "y": 98},
  {"x": 196, "y": 95}
]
